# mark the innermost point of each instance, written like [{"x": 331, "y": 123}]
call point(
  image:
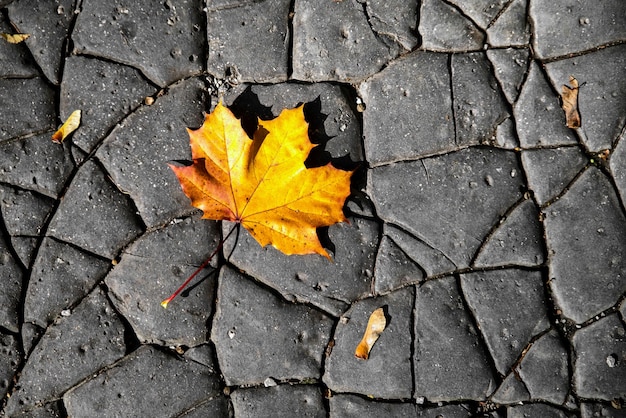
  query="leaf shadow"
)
[{"x": 248, "y": 108}]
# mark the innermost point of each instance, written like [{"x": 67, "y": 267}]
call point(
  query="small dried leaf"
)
[
  {"x": 569, "y": 96},
  {"x": 70, "y": 125},
  {"x": 15, "y": 38},
  {"x": 375, "y": 326}
]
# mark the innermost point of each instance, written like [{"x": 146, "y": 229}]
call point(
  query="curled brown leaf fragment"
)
[
  {"x": 70, "y": 125},
  {"x": 15, "y": 38},
  {"x": 569, "y": 98},
  {"x": 375, "y": 326}
]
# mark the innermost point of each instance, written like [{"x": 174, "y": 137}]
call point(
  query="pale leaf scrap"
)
[
  {"x": 375, "y": 326},
  {"x": 15, "y": 38},
  {"x": 70, "y": 125},
  {"x": 569, "y": 97}
]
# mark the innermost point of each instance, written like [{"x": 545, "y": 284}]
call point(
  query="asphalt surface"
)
[{"x": 493, "y": 234}]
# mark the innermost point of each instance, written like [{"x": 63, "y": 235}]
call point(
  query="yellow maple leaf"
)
[{"x": 263, "y": 183}]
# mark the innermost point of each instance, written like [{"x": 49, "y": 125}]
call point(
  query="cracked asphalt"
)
[{"x": 494, "y": 235}]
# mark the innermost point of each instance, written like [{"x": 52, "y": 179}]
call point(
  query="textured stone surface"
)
[
  {"x": 334, "y": 41},
  {"x": 332, "y": 119},
  {"x": 536, "y": 410},
  {"x": 387, "y": 372},
  {"x": 164, "y": 42},
  {"x": 584, "y": 25},
  {"x": 105, "y": 92},
  {"x": 394, "y": 19},
  {"x": 351, "y": 406},
  {"x": 590, "y": 410},
  {"x": 137, "y": 151},
  {"x": 142, "y": 381},
  {"x": 479, "y": 106},
  {"x": 549, "y": 171},
  {"x": 35, "y": 163},
  {"x": 250, "y": 39},
  {"x": 509, "y": 308},
  {"x": 450, "y": 361},
  {"x": 15, "y": 60},
  {"x": 312, "y": 278},
  {"x": 444, "y": 28},
  {"x": 72, "y": 349},
  {"x": 23, "y": 211},
  {"x": 511, "y": 391},
  {"x": 511, "y": 27},
  {"x": 61, "y": 276},
  {"x": 540, "y": 119},
  {"x": 27, "y": 107},
  {"x": 11, "y": 276},
  {"x": 152, "y": 268},
  {"x": 95, "y": 215},
  {"x": 394, "y": 268},
  {"x": 278, "y": 401},
  {"x": 601, "y": 100},
  {"x": 518, "y": 240},
  {"x": 585, "y": 232},
  {"x": 463, "y": 194},
  {"x": 253, "y": 325},
  {"x": 600, "y": 366},
  {"x": 482, "y": 12},
  {"x": 413, "y": 113},
  {"x": 428, "y": 258},
  {"x": 10, "y": 358},
  {"x": 510, "y": 66},
  {"x": 48, "y": 23},
  {"x": 544, "y": 369}
]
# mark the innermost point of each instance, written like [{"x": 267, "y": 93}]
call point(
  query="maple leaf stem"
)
[{"x": 199, "y": 269}]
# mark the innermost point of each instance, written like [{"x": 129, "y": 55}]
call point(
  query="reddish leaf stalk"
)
[{"x": 199, "y": 269}]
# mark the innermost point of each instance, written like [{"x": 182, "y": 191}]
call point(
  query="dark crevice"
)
[
  {"x": 406, "y": 231},
  {"x": 495, "y": 227},
  {"x": 131, "y": 342},
  {"x": 499, "y": 14},
  {"x": 418, "y": 18},
  {"x": 123, "y": 64},
  {"x": 383, "y": 38},
  {"x": 565, "y": 189},
  {"x": 376, "y": 253},
  {"x": 296, "y": 300},
  {"x": 290, "y": 36},
  {"x": 547, "y": 60},
  {"x": 234, "y": 5},
  {"x": 468, "y": 17},
  {"x": 452, "y": 101},
  {"x": 414, "y": 342},
  {"x": 479, "y": 334},
  {"x": 134, "y": 212},
  {"x": 328, "y": 349}
]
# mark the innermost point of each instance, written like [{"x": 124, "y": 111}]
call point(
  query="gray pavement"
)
[{"x": 494, "y": 235}]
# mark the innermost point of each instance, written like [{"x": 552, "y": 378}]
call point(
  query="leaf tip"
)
[{"x": 362, "y": 351}]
